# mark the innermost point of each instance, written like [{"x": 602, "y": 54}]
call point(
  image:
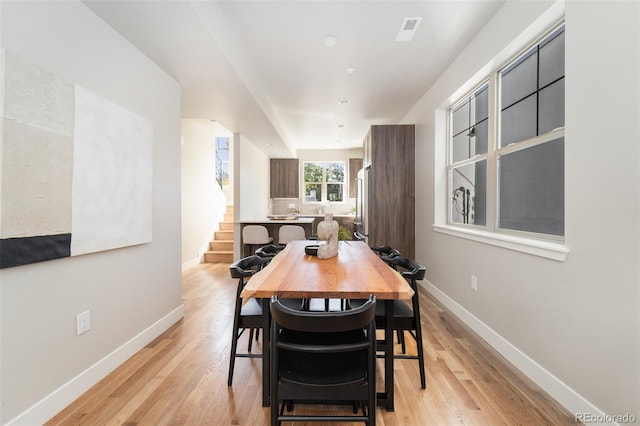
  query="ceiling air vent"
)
[{"x": 408, "y": 29}]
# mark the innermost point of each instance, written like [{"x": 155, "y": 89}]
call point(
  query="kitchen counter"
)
[
  {"x": 322, "y": 215},
  {"x": 300, "y": 220}
]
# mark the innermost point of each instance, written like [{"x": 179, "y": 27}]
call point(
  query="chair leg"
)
[
  {"x": 250, "y": 339},
  {"x": 234, "y": 339},
  {"x": 401, "y": 340},
  {"x": 419, "y": 346},
  {"x": 423, "y": 380},
  {"x": 232, "y": 357}
]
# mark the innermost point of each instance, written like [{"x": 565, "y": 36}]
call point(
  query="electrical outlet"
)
[
  {"x": 83, "y": 322},
  {"x": 474, "y": 283}
]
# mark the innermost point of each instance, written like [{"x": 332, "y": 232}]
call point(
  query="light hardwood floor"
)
[{"x": 180, "y": 377}]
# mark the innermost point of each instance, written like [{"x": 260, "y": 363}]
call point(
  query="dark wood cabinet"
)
[
  {"x": 355, "y": 164},
  {"x": 391, "y": 189},
  {"x": 284, "y": 181}
]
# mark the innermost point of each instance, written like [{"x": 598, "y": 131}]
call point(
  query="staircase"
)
[{"x": 221, "y": 248}]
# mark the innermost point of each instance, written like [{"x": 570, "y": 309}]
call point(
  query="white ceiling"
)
[{"x": 260, "y": 68}]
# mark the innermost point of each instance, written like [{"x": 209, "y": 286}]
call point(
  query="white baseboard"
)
[
  {"x": 55, "y": 402},
  {"x": 193, "y": 262},
  {"x": 562, "y": 393}
]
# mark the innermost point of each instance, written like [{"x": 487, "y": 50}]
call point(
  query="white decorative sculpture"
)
[{"x": 328, "y": 231}]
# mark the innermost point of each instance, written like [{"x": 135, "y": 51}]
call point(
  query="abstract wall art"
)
[{"x": 75, "y": 168}]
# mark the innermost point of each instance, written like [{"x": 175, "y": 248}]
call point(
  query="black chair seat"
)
[
  {"x": 251, "y": 308},
  {"x": 400, "y": 310}
]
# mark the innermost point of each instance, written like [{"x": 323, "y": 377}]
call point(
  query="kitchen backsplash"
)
[{"x": 287, "y": 206}]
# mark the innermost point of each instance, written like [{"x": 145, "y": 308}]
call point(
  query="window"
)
[
  {"x": 323, "y": 181},
  {"x": 468, "y": 170},
  {"x": 518, "y": 167},
  {"x": 222, "y": 161}
]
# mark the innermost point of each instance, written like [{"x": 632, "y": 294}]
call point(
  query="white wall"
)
[
  {"x": 203, "y": 202},
  {"x": 251, "y": 184},
  {"x": 133, "y": 293},
  {"x": 573, "y": 326}
]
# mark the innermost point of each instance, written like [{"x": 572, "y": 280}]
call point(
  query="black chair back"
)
[
  {"x": 268, "y": 251},
  {"x": 247, "y": 266},
  {"x": 409, "y": 269}
]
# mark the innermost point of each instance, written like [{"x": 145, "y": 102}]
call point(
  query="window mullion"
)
[{"x": 492, "y": 163}]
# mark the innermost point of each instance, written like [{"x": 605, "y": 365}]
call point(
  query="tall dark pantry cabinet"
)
[{"x": 389, "y": 151}]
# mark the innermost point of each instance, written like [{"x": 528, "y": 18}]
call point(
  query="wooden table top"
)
[{"x": 355, "y": 273}]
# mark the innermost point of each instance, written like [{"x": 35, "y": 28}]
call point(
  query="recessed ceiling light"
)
[
  {"x": 344, "y": 101},
  {"x": 330, "y": 41},
  {"x": 408, "y": 28},
  {"x": 350, "y": 70}
]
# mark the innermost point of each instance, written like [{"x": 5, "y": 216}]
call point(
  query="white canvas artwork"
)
[
  {"x": 111, "y": 197},
  {"x": 75, "y": 168},
  {"x": 37, "y": 145}
]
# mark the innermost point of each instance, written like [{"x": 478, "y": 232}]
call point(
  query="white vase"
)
[{"x": 328, "y": 232}]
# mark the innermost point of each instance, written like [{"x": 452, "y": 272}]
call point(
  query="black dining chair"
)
[
  {"x": 406, "y": 317},
  {"x": 385, "y": 253},
  {"x": 326, "y": 357},
  {"x": 269, "y": 251},
  {"x": 247, "y": 315}
]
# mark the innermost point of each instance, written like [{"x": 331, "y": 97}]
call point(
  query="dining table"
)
[{"x": 355, "y": 273}]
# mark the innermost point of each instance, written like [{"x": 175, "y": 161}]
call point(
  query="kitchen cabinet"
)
[
  {"x": 355, "y": 164},
  {"x": 284, "y": 180},
  {"x": 391, "y": 187}
]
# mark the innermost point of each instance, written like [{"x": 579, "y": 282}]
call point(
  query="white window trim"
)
[{"x": 541, "y": 248}]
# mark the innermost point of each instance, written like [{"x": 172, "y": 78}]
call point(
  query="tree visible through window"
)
[{"x": 323, "y": 181}]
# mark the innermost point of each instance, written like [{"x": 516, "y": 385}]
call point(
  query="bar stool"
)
[
  {"x": 255, "y": 235},
  {"x": 288, "y": 233}
]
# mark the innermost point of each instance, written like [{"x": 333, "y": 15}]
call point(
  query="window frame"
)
[
  {"x": 476, "y": 158},
  {"x": 540, "y": 244},
  {"x": 324, "y": 184}
]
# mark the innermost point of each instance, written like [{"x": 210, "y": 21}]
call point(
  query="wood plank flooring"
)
[{"x": 180, "y": 377}]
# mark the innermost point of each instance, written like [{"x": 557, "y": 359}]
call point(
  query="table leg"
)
[{"x": 266, "y": 351}]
